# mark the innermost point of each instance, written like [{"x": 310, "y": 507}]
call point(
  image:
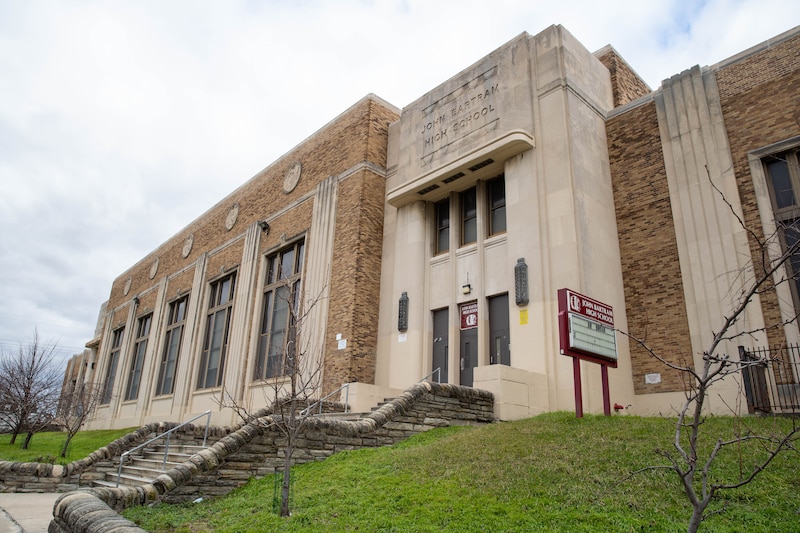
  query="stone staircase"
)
[{"x": 146, "y": 465}]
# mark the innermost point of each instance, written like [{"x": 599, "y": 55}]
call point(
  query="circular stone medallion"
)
[
  {"x": 187, "y": 245},
  {"x": 154, "y": 268},
  {"x": 292, "y": 177},
  {"x": 233, "y": 214}
]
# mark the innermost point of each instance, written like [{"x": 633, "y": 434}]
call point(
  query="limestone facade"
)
[{"x": 412, "y": 222}]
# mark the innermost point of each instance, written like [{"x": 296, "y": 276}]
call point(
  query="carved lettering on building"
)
[{"x": 467, "y": 109}]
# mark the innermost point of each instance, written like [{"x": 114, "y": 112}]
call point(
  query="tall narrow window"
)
[
  {"x": 496, "y": 194},
  {"x": 442, "y": 214},
  {"x": 137, "y": 363},
  {"x": 111, "y": 370},
  {"x": 215, "y": 343},
  {"x": 469, "y": 217},
  {"x": 172, "y": 346},
  {"x": 783, "y": 173},
  {"x": 281, "y": 293}
]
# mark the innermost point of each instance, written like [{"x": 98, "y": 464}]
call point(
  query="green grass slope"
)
[{"x": 549, "y": 473}]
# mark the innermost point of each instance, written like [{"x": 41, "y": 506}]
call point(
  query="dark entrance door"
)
[
  {"x": 499, "y": 344},
  {"x": 440, "y": 343},
  {"x": 468, "y": 355}
]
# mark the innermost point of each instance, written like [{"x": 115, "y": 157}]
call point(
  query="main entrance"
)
[{"x": 468, "y": 349}]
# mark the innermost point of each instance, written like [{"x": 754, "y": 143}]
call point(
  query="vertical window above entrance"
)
[
  {"x": 469, "y": 216},
  {"x": 496, "y": 196},
  {"x": 442, "y": 215}
]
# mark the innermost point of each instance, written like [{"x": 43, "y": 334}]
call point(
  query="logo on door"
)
[{"x": 469, "y": 315}]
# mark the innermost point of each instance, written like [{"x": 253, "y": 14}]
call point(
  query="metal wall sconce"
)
[
  {"x": 521, "y": 282},
  {"x": 402, "y": 313},
  {"x": 264, "y": 225}
]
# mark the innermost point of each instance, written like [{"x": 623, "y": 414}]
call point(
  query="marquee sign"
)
[{"x": 586, "y": 328}]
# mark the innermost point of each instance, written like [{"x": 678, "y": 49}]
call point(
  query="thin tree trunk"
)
[
  {"x": 28, "y": 438},
  {"x": 287, "y": 465}
]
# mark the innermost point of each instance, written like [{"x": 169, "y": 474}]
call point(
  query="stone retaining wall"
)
[{"x": 255, "y": 450}]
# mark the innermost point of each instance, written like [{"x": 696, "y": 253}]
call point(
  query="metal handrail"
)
[
  {"x": 167, "y": 433},
  {"x": 319, "y": 402},
  {"x": 438, "y": 376}
]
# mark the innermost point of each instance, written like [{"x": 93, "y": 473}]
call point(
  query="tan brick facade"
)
[{"x": 654, "y": 293}]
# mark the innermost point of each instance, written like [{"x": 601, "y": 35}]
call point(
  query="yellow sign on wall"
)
[{"x": 523, "y": 316}]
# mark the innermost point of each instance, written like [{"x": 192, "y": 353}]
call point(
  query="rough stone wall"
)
[
  {"x": 626, "y": 85},
  {"x": 759, "y": 99},
  {"x": 654, "y": 299},
  {"x": 255, "y": 450}
]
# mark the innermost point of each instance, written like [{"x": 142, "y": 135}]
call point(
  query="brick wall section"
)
[
  {"x": 355, "y": 280},
  {"x": 759, "y": 98},
  {"x": 358, "y": 135},
  {"x": 626, "y": 85},
  {"x": 651, "y": 273}
]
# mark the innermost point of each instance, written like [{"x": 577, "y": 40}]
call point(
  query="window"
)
[
  {"x": 281, "y": 293},
  {"x": 172, "y": 346},
  {"x": 496, "y": 196},
  {"x": 783, "y": 176},
  {"x": 469, "y": 217},
  {"x": 215, "y": 343},
  {"x": 113, "y": 359},
  {"x": 137, "y": 363},
  {"x": 442, "y": 214}
]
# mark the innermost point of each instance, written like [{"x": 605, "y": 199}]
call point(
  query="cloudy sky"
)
[{"x": 122, "y": 121}]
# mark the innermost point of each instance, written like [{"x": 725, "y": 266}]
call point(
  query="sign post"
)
[{"x": 586, "y": 332}]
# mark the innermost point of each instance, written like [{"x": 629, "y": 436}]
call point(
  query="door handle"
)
[{"x": 462, "y": 363}]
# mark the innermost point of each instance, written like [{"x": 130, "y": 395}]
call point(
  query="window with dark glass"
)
[
  {"x": 783, "y": 177},
  {"x": 172, "y": 346},
  {"x": 496, "y": 195},
  {"x": 281, "y": 293},
  {"x": 137, "y": 363},
  {"x": 469, "y": 216},
  {"x": 442, "y": 214},
  {"x": 113, "y": 360},
  {"x": 215, "y": 341}
]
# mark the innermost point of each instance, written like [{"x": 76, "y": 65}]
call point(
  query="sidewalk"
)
[{"x": 26, "y": 512}]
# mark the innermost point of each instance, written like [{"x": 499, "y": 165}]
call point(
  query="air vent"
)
[
  {"x": 428, "y": 189},
  {"x": 481, "y": 164},
  {"x": 454, "y": 177}
]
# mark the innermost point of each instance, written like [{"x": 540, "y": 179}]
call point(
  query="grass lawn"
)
[
  {"x": 549, "y": 473},
  {"x": 45, "y": 447}
]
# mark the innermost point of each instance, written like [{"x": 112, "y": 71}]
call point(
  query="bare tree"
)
[
  {"x": 76, "y": 405},
  {"x": 290, "y": 373},
  {"x": 30, "y": 383},
  {"x": 692, "y": 456}
]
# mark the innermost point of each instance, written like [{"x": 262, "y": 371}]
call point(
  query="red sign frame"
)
[{"x": 575, "y": 303}]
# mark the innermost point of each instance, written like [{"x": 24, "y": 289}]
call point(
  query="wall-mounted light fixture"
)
[
  {"x": 466, "y": 288},
  {"x": 402, "y": 313},
  {"x": 264, "y": 225},
  {"x": 521, "y": 281}
]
